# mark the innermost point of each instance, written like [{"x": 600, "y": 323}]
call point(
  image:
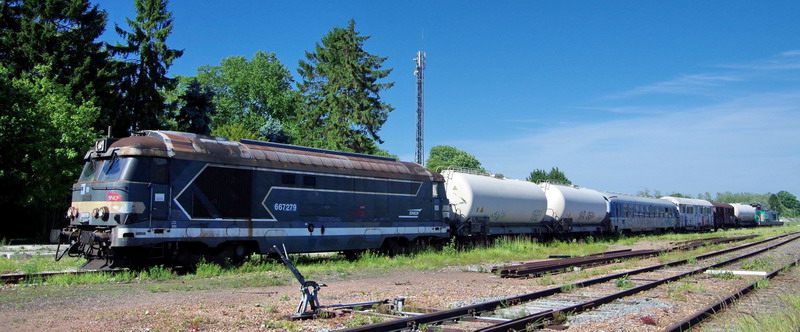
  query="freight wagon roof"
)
[
  {"x": 722, "y": 205},
  {"x": 264, "y": 154},
  {"x": 689, "y": 201},
  {"x": 636, "y": 199}
]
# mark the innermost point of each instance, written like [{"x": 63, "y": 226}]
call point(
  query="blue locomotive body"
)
[{"x": 179, "y": 197}]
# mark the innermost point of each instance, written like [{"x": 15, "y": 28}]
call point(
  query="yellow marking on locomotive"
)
[{"x": 113, "y": 207}]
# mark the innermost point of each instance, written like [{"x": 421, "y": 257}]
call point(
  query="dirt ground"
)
[{"x": 217, "y": 306}]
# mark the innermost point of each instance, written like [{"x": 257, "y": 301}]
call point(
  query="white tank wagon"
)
[
  {"x": 745, "y": 214},
  {"x": 574, "y": 205},
  {"x": 694, "y": 214},
  {"x": 474, "y": 196}
]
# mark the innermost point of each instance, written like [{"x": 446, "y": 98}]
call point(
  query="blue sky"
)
[{"x": 680, "y": 96}]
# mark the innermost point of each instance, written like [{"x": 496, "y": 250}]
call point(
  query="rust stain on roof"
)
[{"x": 215, "y": 149}]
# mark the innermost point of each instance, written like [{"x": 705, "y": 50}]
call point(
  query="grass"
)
[
  {"x": 259, "y": 270},
  {"x": 784, "y": 317},
  {"x": 35, "y": 264},
  {"x": 758, "y": 264},
  {"x": 680, "y": 290},
  {"x": 762, "y": 283},
  {"x": 624, "y": 282},
  {"x": 725, "y": 275},
  {"x": 568, "y": 287},
  {"x": 361, "y": 320}
]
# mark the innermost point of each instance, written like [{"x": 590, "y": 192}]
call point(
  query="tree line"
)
[{"x": 61, "y": 88}]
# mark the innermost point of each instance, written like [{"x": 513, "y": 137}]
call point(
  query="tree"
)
[
  {"x": 679, "y": 195},
  {"x": 234, "y": 132},
  {"x": 255, "y": 93},
  {"x": 146, "y": 59},
  {"x": 62, "y": 35},
  {"x": 775, "y": 204},
  {"x": 730, "y": 197},
  {"x": 789, "y": 202},
  {"x": 443, "y": 156},
  {"x": 194, "y": 115},
  {"x": 537, "y": 176},
  {"x": 273, "y": 131},
  {"x": 44, "y": 131},
  {"x": 342, "y": 109},
  {"x": 558, "y": 176},
  {"x": 555, "y": 175}
]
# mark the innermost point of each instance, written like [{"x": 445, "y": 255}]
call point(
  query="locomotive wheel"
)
[
  {"x": 395, "y": 246},
  {"x": 231, "y": 254}
]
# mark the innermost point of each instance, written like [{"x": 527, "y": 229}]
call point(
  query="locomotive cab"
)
[{"x": 117, "y": 186}]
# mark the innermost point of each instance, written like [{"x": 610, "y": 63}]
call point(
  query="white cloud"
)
[
  {"x": 696, "y": 84},
  {"x": 745, "y": 144}
]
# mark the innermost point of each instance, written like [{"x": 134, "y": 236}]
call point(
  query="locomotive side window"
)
[
  {"x": 160, "y": 171},
  {"x": 288, "y": 178}
]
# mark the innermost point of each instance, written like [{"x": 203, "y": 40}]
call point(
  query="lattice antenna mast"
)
[{"x": 419, "y": 74}]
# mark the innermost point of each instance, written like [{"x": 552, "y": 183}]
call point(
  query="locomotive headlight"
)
[
  {"x": 102, "y": 213},
  {"x": 96, "y": 213},
  {"x": 72, "y": 212}
]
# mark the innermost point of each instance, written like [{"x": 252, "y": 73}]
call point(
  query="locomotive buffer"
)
[{"x": 309, "y": 290}]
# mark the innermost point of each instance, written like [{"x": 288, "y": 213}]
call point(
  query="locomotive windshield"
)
[{"x": 108, "y": 169}]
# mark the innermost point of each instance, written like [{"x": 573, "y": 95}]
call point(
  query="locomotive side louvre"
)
[{"x": 209, "y": 191}]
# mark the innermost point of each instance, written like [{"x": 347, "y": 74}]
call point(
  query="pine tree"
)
[
  {"x": 62, "y": 35},
  {"x": 343, "y": 109},
  {"x": 146, "y": 59},
  {"x": 195, "y": 114}
]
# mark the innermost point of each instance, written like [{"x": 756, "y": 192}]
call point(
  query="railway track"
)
[
  {"x": 599, "y": 291},
  {"x": 565, "y": 264}
]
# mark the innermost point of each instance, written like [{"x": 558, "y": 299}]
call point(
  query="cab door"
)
[{"x": 160, "y": 195}]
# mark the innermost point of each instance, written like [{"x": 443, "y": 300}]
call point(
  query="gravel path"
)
[{"x": 216, "y": 304}]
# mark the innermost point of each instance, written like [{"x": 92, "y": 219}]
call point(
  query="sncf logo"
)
[{"x": 113, "y": 197}]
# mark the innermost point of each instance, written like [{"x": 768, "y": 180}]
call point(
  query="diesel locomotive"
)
[{"x": 163, "y": 197}]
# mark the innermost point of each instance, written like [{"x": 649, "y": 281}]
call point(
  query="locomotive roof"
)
[{"x": 181, "y": 145}]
